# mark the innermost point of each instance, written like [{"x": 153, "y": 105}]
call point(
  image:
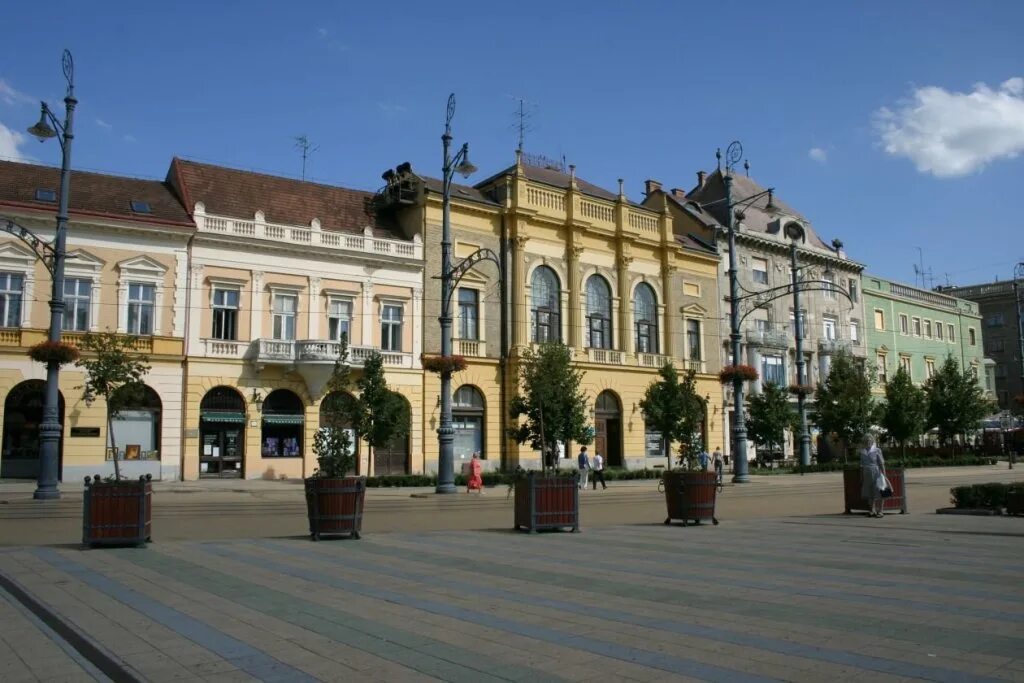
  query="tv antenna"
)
[
  {"x": 523, "y": 116},
  {"x": 925, "y": 276},
  {"x": 308, "y": 148}
]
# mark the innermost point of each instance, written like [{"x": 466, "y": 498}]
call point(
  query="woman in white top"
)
[{"x": 872, "y": 474}]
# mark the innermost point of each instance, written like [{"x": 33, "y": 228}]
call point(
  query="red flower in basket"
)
[
  {"x": 730, "y": 372},
  {"x": 801, "y": 389},
  {"x": 441, "y": 364},
  {"x": 62, "y": 352}
]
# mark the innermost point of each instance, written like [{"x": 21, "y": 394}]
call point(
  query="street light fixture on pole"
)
[
  {"x": 50, "y": 429},
  {"x": 445, "y": 434},
  {"x": 795, "y": 232}
]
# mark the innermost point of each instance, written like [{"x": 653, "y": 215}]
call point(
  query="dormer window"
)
[
  {"x": 140, "y": 206},
  {"x": 46, "y": 195}
]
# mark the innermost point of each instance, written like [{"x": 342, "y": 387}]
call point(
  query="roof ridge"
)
[{"x": 264, "y": 174}]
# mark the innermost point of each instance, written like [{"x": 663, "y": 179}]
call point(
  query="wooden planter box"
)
[
  {"x": 117, "y": 512},
  {"x": 690, "y": 496},
  {"x": 335, "y": 506},
  {"x": 854, "y": 502},
  {"x": 547, "y": 502}
]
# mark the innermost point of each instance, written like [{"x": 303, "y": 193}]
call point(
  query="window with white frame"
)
[
  {"x": 645, "y": 314},
  {"x": 141, "y": 298},
  {"x": 854, "y": 295},
  {"x": 905, "y": 364},
  {"x": 938, "y": 330},
  {"x": 879, "y": 319},
  {"x": 854, "y": 331},
  {"x": 904, "y": 324},
  {"x": 759, "y": 270},
  {"x": 469, "y": 314},
  {"x": 972, "y": 338},
  {"x": 773, "y": 370},
  {"x": 77, "y": 302},
  {"x": 952, "y": 333},
  {"x": 285, "y": 309},
  {"x": 916, "y": 326},
  {"x": 225, "y": 313},
  {"x": 929, "y": 368},
  {"x": 830, "y": 287},
  {"x": 339, "y": 318},
  {"x": 693, "y": 339},
  {"x": 762, "y": 326},
  {"x": 927, "y": 329},
  {"x": 12, "y": 288},
  {"x": 391, "y": 327},
  {"x": 599, "y": 313},
  {"x": 545, "y": 304},
  {"x": 830, "y": 327},
  {"x": 880, "y": 368}
]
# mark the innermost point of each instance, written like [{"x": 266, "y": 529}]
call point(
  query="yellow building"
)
[
  {"x": 610, "y": 278},
  {"x": 126, "y": 271}
]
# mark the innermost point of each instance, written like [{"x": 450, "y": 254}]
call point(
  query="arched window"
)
[
  {"x": 136, "y": 427},
  {"x": 23, "y": 414},
  {"x": 599, "y": 313},
  {"x": 545, "y": 305},
  {"x": 468, "y": 422},
  {"x": 645, "y": 315},
  {"x": 334, "y": 413},
  {"x": 221, "y": 433},
  {"x": 283, "y": 418}
]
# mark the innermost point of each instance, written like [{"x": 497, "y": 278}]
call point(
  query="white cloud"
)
[
  {"x": 322, "y": 31},
  {"x": 103, "y": 124},
  {"x": 817, "y": 154},
  {"x": 12, "y": 96},
  {"x": 10, "y": 143},
  {"x": 128, "y": 137},
  {"x": 950, "y": 134}
]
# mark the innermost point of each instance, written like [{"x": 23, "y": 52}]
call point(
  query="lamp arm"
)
[
  {"x": 769, "y": 295},
  {"x": 449, "y": 169},
  {"x": 742, "y": 202},
  {"x": 42, "y": 249}
]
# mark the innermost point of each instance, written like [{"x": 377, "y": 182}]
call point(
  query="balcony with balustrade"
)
[
  {"x": 602, "y": 214},
  {"x": 311, "y": 352},
  {"x": 832, "y": 346},
  {"x": 778, "y": 339}
]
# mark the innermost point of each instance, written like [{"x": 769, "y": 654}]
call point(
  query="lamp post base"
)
[
  {"x": 46, "y": 494},
  {"x": 741, "y": 478},
  {"x": 446, "y": 488}
]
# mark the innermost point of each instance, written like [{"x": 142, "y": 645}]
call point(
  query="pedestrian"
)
[
  {"x": 702, "y": 459},
  {"x": 584, "y": 463},
  {"x": 475, "y": 481},
  {"x": 598, "y": 467},
  {"x": 719, "y": 465},
  {"x": 872, "y": 475}
]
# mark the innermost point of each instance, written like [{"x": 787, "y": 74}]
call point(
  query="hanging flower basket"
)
[
  {"x": 730, "y": 372},
  {"x": 440, "y": 364},
  {"x": 61, "y": 352},
  {"x": 801, "y": 389}
]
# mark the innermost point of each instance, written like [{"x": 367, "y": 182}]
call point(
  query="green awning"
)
[
  {"x": 214, "y": 416},
  {"x": 283, "y": 419}
]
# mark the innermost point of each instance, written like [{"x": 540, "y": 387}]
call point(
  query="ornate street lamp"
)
[
  {"x": 795, "y": 232},
  {"x": 53, "y": 255}
]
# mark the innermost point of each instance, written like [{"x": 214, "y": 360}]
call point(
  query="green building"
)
[{"x": 917, "y": 329}]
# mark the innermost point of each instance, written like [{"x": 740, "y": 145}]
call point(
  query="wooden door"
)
[{"x": 601, "y": 439}]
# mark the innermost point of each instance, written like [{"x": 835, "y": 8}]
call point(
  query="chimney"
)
[
  {"x": 702, "y": 178},
  {"x": 679, "y": 194},
  {"x": 651, "y": 186}
]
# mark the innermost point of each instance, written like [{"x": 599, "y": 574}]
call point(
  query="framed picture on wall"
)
[{"x": 132, "y": 451}]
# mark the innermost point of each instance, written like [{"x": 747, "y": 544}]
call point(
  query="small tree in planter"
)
[
  {"x": 554, "y": 408},
  {"x": 769, "y": 414},
  {"x": 905, "y": 410},
  {"x": 956, "y": 403},
  {"x": 115, "y": 512},
  {"x": 334, "y": 500},
  {"x": 379, "y": 414},
  {"x": 844, "y": 405}
]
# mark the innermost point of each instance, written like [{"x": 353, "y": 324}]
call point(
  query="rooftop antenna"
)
[
  {"x": 302, "y": 143},
  {"x": 523, "y": 114},
  {"x": 746, "y": 166}
]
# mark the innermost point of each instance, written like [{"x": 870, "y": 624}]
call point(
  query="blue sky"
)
[{"x": 889, "y": 125}]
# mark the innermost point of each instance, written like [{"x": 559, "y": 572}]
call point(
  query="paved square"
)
[{"x": 817, "y": 598}]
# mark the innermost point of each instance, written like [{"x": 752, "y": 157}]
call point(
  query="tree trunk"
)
[
  {"x": 113, "y": 445},
  {"x": 667, "y": 447}
]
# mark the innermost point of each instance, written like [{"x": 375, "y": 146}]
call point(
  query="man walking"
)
[
  {"x": 598, "y": 467},
  {"x": 719, "y": 465},
  {"x": 584, "y": 464}
]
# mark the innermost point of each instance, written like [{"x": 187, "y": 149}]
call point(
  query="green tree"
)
[
  {"x": 844, "y": 405},
  {"x": 905, "y": 411},
  {"x": 769, "y": 414},
  {"x": 675, "y": 409},
  {"x": 113, "y": 372},
  {"x": 550, "y": 399},
  {"x": 956, "y": 403},
  {"x": 379, "y": 414},
  {"x": 332, "y": 443}
]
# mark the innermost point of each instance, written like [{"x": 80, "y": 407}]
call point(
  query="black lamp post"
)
[
  {"x": 449, "y": 276},
  {"x": 795, "y": 233},
  {"x": 50, "y": 429}
]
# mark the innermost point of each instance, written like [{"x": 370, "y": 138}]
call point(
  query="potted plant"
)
[
  {"x": 334, "y": 500},
  {"x": 676, "y": 410},
  {"x": 442, "y": 364},
  {"x": 731, "y": 373},
  {"x": 60, "y": 352},
  {"x": 114, "y": 511},
  {"x": 554, "y": 409}
]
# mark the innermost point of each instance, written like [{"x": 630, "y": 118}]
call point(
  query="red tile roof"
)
[
  {"x": 240, "y": 194},
  {"x": 92, "y": 194}
]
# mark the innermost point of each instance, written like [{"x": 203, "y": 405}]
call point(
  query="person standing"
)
[
  {"x": 702, "y": 459},
  {"x": 719, "y": 463},
  {"x": 598, "y": 467},
  {"x": 475, "y": 481},
  {"x": 584, "y": 464},
  {"x": 872, "y": 475}
]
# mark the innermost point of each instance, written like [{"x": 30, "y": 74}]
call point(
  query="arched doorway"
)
[
  {"x": 136, "y": 427},
  {"x": 393, "y": 458},
  {"x": 23, "y": 413},
  {"x": 608, "y": 428},
  {"x": 221, "y": 433},
  {"x": 340, "y": 401},
  {"x": 468, "y": 422},
  {"x": 283, "y": 419}
]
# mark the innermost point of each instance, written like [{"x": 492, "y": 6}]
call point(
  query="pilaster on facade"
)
[{"x": 256, "y": 310}]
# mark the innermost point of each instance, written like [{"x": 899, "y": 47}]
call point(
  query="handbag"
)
[{"x": 886, "y": 491}]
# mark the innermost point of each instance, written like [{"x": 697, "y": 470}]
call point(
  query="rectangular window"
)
[
  {"x": 995, "y": 320},
  {"x": 829, "y": 327},
  {"x": 830, "y": 288},
  {"x": 760, "y": 270},
  {"x": 972, "y": 339},
  {"x": 996, "y": 346},
  {"x": 141, "y": 298},
  {"x": 762, "y": 326},
  {"x": 904, "y": 324},
  {"x": 854, "y": 331},
  {"x": 77, "y": 300},
  {"x": 545, "y": 326},
  {"x": 952, "y": 334},
  {"x": 469, "y": 314},
  {"x": 693, "y": 339},
  {"x": 773, "y": 370},
  {"x": 927, "y": 329},
  {"x": 905, "y": 364},
  {"x": 854, "y": 295},
  {"x": 938, "y": 330},
  {"x": 916, "y": 326},
  {"x": 11, "y": 289},
  {"x": 929, "y": 368},
  {"x": 225, "y": 313},
  {"x": 339, "y": 319},
  {"x": 803, "y": 324},
  {"x": 879, "y": 319},
  {"x": 883, "y": 377},
  {"x": 285, "y": 308},
  {"x": 391, "y": 328}
]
